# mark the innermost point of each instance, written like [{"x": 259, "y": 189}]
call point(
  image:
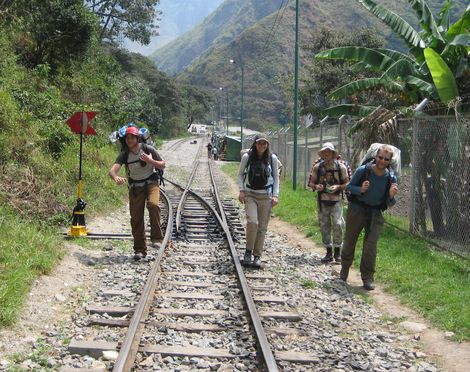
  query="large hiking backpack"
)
[
  {"x": 393, "y": 168},
  {"x": 258, "y": 172},
  {"x": 119, "y": 139}
]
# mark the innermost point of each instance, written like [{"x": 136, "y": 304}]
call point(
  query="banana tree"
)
[{"x": 438, "y": 56}]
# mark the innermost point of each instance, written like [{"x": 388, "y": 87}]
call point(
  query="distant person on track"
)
[
  {"x": 373, "y": 188},
  {"x": 209, "y": 150},
  {"x": 215, "y": 154},
  {"x": 141, "y": 162},
  {"x": 259, "y": 191},
  {"x": 329, "y": 178}
]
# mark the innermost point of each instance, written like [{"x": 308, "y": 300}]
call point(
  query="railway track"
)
[{"x": 197, "y": 301}]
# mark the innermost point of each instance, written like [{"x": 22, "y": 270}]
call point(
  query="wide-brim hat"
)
[{"x": 328, "y": 146}]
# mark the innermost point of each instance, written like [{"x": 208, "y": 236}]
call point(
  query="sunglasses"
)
[{"x": 383, "y": 158}]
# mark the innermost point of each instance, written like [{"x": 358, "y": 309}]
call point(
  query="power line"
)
[{"x": 274, "y": 28}]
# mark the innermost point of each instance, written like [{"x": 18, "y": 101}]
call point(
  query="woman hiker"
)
[{"x": 259, "y": 191}]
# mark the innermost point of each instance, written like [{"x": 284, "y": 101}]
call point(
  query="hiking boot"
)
[
  {"x": 337, "y": 254},
  {"x": 343, "y": 274},
  {"x": 138, "y": 256},
  {"x": 369, "y": 284},
  {"x": 247, "y": 258},
  {"x": 257, "y": 262},
  {"x": 329, "y": 255}
]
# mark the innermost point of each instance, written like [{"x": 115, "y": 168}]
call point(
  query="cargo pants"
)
[
  {"x": 258, "y": 211},
  {"x": 138, "y": 197},
  {"x": 330, "y": 218},
  {"x": 372, "y": 221}
]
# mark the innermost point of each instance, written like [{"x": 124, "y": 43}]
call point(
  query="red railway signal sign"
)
[{"x": 79, "y": 123}]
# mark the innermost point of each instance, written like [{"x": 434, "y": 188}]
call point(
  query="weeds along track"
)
[{"x": 192, "y": 305}]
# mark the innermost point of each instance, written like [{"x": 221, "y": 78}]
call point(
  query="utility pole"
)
[
  {"x": 226, "y": 116},
  {"x": 296, "y": 93},
  {"x": 242, "y": 67}
]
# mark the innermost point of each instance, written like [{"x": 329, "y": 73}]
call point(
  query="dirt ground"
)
[{"x": 52, "y": 298}]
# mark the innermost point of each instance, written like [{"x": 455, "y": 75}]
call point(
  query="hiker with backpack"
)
[
  {"x": 142, "y": 163},
  {"x": 259, "y": 191},
  {"x": 373, "y": 188},
  {"x": 329, "y": 177}
]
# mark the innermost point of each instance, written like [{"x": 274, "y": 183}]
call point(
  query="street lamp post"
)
[
  {"x": 226, "y": 116},
  {"x": 242, "y": 67}
]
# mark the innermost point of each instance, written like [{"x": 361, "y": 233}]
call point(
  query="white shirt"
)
[{"x": 272, "y": 180}]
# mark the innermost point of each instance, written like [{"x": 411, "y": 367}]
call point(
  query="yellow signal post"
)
[{"x": 79, "y": 124}]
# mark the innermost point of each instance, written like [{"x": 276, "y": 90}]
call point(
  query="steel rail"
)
[
  {"x": 130, "y": 345},
  {"x": 190, "y": 180},
  {"x": 183, "y": 197},
  {"x": 264, "y": 347}
]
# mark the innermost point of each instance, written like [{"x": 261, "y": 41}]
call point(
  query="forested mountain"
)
[
  {"x": 177, "y": 17},
  {"x": 226, "y": 23},
  {"x": 267, "y": 48}
]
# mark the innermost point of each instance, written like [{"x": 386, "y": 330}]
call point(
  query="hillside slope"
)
[
  {"x": 269, "y": 64},
  {"x": 178, "y": 16},
  {"x": 227, "y": 22}
]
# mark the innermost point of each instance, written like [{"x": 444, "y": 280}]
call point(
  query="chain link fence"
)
[{"x": 434, "y": 185}]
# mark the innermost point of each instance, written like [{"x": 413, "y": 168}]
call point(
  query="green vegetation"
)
[
  {"x": 268, "y": 57},
  {"x": 54, "y": 62},
  {"x": 40, "y": 356},
  {"x": 27, "y": 250},
  {"x": 433, "y": 66},
  {"x": 433, "y": 283},
  {"x": 308, "y": 283}
]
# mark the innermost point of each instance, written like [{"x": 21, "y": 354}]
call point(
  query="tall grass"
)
[{"x": 27, "y": 249}]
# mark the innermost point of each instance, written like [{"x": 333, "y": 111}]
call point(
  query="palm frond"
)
[
  {"x": 365, "y": 84},
  {"x": 395, "y": 22},
  {"x": 442, "y": 76},
  {"x": 348, "y": 109},
  {"x": 371, "y": 57},
  {"x": 426, "y": 19}
]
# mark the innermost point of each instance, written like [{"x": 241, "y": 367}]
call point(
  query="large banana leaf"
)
[
  {"x": 425, "y": 88},
  {"x": 462, "y": 40},
  {"x": 396, "y": 55},
  {"x": 400, "y": 69},
  {"x": 459, "y": 27},
  {"x": 360, "y": 67},
  {"x": 444, "y": 15},
  {"x": 426, "y": 19},
  {"x": 348, "y": 109},
  {"x": 396, "y": 23},
  {"x": 365, "y": 84},
  {"x": 371, "y": 57},
  {"x": 442, "y": 76}
]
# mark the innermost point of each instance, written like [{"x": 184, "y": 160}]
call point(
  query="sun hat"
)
[{"x": 328, "y": 146}]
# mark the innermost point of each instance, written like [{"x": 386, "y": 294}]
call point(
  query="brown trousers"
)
[
  {"x": 138, "y": 196},
  {"x": 258, "y": 210},
  {"x": 372, "y": 221}
]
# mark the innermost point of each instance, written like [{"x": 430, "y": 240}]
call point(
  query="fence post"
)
[
  {"x": 341, "y": 121},
  {"x": 322, "y": 121},
  {"x": 414, "y": 171}
]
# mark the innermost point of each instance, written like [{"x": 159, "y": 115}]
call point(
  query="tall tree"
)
[
  {"x": 135, "y": 20},
  {"x": 322, "y": 76},
  {"x": 52, "y": 32}
]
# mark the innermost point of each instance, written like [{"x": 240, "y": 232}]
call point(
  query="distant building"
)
[{"x": 197, "y": 129}]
